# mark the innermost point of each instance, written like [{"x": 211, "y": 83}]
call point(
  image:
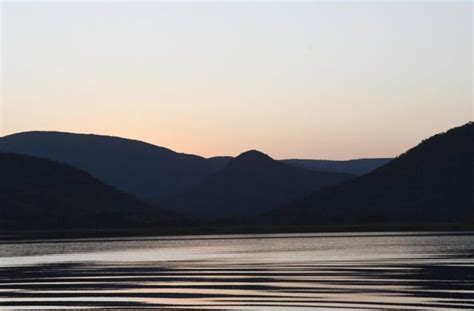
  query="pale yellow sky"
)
[{"x": 332, "y": 80}]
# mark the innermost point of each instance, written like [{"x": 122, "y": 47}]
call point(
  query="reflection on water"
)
[{"x": 274, "y": 272}]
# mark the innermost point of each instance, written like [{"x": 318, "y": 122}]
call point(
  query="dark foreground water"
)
[{"x": 364, "y": 271}]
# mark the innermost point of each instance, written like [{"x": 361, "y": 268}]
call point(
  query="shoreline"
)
[{"x": 48, "y": 235}]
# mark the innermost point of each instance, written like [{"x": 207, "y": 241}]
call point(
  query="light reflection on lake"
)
[{"x": 368, "y": 271}]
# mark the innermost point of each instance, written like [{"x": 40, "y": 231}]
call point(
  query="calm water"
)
[{"x": 364, "y": 271}]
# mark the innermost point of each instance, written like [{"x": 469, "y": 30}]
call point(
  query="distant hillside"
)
[
  {"x": 41, "y": 194},
  {"x": 432, "y": 182},
  {"x": 250, "y": 184},
  {"x": 355, "y": 167},
  {"x": 149, "y": 172}
]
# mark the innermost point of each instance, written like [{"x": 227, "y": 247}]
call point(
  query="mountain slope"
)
[
  {"x": 433, "y": 182},
  {"x": 149, "y": 172},
  {"x": 42, "y": 194},
  {"x": 355, "y": 167},
  {"x": 250, "y": 184}
]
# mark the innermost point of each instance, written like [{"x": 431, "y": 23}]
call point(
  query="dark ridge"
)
[
  {"x": 253, "y": 155},
  {"x": 251, "y": 158},
  {"x": 148, "y": 172},
  {"x": 356, "y": 166},
  {"x": 432, "y": 182},
  {"x": 250, "y": 184},
  {"x": 39, "y": 194}
]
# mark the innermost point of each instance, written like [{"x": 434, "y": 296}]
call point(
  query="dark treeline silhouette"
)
[
  {"x": 433, "y": 182},
  {"x": 250, "y": 184},
  {"x": 38, "y": 194}
]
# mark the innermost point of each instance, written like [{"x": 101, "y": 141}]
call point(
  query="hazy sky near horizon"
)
[{"x": 336, "y": 80}]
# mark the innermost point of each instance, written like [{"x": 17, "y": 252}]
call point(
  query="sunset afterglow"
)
[{"x": 311, "y": 80}]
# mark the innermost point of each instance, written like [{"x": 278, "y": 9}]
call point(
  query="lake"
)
[{"x": 327, "y": 271}]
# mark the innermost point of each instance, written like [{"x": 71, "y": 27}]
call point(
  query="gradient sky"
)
[{"x": 333, "y": 80}]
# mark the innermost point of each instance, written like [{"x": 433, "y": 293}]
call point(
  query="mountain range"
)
[
  {"x": 251, "y": 184},
  {"x": 151, "y": 173},
  {"x": 53, "y": 180}
]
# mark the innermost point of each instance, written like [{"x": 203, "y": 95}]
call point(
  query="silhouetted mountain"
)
[
  {"x": 250, "y": 184},
  {"x": 355, "y": 167},
  {"x": 149, "y": 172},
  {"x": 432, "y": 182},
  {"x": 41, "y": 194}
]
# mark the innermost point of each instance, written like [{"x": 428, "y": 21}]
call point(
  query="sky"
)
[{"x": 332, "y": 80}]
